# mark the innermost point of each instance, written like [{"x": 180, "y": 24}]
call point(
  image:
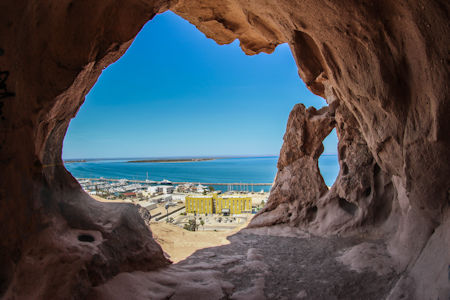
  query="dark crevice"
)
[
  {"x": 86, "y": 238},
  {"x": 342, "y": 149},
  {"x": 5, "y": 274},
  {"x": 347, "y": 206},
  {"x": 311, "y": 213},
  {"x": 376, "y": 169},
  {"x": 344, "y": 169},
  {"x": 367, "y": 192},
  {"x": 309, "y": 56}
]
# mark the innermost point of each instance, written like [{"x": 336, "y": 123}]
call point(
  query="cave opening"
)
[
  {"x": 177, "y": 95},
  {"x": 87, "y": 238}
]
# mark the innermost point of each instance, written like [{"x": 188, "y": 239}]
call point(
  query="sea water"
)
[{"x": 226, "y": 170}]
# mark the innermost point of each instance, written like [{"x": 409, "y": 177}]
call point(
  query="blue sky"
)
[{"x": 177, "y": 93}]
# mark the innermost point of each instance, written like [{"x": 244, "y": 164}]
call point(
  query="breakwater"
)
[{"x": 176, "y": 182}]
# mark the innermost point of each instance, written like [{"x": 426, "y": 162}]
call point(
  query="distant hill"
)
[
  {"x": 75, "y": 161},
  {"x": 169, "y": 160}
]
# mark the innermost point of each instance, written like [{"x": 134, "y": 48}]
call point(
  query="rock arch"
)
[{"x": 382, "y": 66}]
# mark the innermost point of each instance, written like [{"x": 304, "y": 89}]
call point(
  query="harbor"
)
[
  {"x": 191, "y": 206},
  {"x": 237, "y": 174},
  {"x": 176, "y": 182}
]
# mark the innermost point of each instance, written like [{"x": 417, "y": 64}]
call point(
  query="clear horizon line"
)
[
  {"x": 186, "y": 156},
  {"x": 177, "y": 156}
]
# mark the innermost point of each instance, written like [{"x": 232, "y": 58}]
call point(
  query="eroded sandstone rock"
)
[{"x": 298, "y": 183}]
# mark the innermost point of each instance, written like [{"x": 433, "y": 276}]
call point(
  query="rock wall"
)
[
  {"x": 298, "y": 183},
  {"x": 56, "y": 241},
  {"x": 363, "y": 194},
  {"x": 382, "y": 66}
]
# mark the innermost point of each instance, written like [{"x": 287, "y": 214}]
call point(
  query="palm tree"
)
[{"x": 203, "y": 224}]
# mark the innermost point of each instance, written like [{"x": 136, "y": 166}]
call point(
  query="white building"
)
[
  {"x": 167, "y": 189},
  {"x": 159, "y": 189},
  {"x": 152, "y": 190},
  {"x": 178, "y": 197},
  {"x": 201, "y": 188}
]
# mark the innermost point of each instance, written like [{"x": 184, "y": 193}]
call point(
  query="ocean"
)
[{"x": 242, "y": 169}]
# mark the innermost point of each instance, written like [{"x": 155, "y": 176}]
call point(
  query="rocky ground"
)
[{"x": 278, "y": 263}]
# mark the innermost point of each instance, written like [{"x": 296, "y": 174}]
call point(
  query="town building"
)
[
  {"x": 200, "y": 204},
  {"x": 213, "y": 203},
  {"x": 233, "y": 204},
  {"x": 158, "y": 189},
  {"x": 129, "y": 194},
  {"x": 201, "y": 188},
  {"x": 167, "y": 189},
  {"x": 186, "y": 188}
]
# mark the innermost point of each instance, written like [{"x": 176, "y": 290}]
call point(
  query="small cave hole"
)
[
  {"x": 367, "y": 192},
  {"x": 376, "y": 169},
  {"x": 344, "y": 169},
  {"x": 311, "y": 213},
  {"x": 87, "y": 238},
  {"x": 347, "y": 206},
  {"x": 383, "y": 203},
  {"x": 342, "y": 152}
]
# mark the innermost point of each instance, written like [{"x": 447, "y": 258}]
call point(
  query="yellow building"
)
[
  {"x": 200, "y": 204},
  {"x": 213, "y": 203},
  {"x": 234, "y": 204}
]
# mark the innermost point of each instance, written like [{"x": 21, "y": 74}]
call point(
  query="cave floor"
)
[{"x": 257, "y": 265}]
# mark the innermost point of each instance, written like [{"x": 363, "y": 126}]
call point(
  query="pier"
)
[{"x": 174, "y": 182}]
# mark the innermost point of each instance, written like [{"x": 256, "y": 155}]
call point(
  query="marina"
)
[
  {"x": 175, "y": 182},
  {"x": 223, "y": 174},
  {"x": 187, "y": 205}
]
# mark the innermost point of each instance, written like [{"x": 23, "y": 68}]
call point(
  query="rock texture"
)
[
  {"x": 298, "y": 183},
  {"x": 82, "y": 243},
  {"x": 383, "y": 67},
  {"x": 279, "y": 263}
]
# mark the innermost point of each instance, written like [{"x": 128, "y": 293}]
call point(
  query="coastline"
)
[
  {"x": 74, "y": 161},
  {"x": 170, "y": 160}
]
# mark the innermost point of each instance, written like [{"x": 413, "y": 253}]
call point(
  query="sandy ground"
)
[
  {"x": 100, "y": 199},
  {"x": 178, "y": 243},
  {"x": 162, "y": 210}
]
